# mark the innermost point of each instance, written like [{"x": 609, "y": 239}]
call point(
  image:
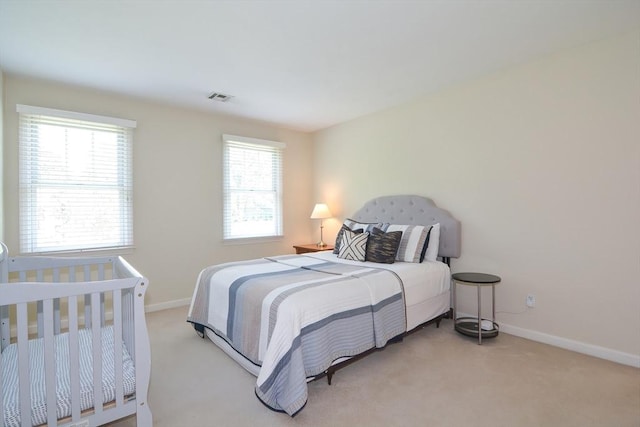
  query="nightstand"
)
[
  {"x": 476, "y": 326},
  {"x": 303, "y": 249}
]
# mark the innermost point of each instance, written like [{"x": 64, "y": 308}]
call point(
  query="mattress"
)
[
  {"x": 423, "y": 283},
  {"x": 426, "y": 287},
  {"x": 11, "y": 398}
]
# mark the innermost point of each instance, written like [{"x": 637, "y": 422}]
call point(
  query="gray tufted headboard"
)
[{"x": 414, "y": 210}]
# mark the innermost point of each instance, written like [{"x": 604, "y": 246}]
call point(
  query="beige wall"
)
[
  {"x": 177, "y": 182},
  {"x": 541, "y": 163}
]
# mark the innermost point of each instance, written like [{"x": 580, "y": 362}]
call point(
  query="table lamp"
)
[{"x": 321, "y": 211}]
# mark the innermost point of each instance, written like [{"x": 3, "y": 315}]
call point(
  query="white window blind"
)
[
  {"x": 76, "y": 189},
  {"x": 252, "y": 187}
]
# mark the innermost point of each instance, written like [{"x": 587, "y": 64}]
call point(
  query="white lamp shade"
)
[{"x": 320, "y": 211}]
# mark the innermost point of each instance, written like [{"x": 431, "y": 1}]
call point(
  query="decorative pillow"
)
[
  {"x": 336, "y": 247},
  {"x": 382, "y": 247},
  {"x": 434, "y": 243},
  {"x": 412, "y": 242},
  {"x": 353, "y": 246},
  {"x": 426, "y": 245},
  {"x": 352, "y": 225}
]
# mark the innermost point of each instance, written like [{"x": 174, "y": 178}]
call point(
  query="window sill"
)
[{"x": 253, "y": 240}]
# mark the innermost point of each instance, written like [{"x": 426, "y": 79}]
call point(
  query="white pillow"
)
[{"x": 434, "y": 243}]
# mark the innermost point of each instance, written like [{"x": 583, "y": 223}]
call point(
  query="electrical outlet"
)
[{"x": 531, "y": 300}]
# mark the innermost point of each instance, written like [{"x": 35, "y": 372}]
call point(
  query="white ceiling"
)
[{"x": 305, "y": 64}]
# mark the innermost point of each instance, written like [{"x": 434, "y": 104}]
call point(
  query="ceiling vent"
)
[{"x": 217, "y": 96}]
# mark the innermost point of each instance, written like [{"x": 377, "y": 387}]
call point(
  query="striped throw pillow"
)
[{"x": 414, "y": 238}]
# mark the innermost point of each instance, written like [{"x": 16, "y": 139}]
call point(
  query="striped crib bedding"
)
[{"x": 11, "y": 400}]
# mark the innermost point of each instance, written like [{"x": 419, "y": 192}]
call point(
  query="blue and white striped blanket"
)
[{"x": 294, "y": 315}]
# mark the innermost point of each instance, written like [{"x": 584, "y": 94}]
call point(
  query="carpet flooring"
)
[{"x": 434, "y": 377}]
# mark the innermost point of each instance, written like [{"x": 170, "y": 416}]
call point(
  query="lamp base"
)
[{"x": 321, "y": 243}]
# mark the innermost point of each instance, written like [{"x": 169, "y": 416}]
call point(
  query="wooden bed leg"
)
[
  {"x": 330, "y": 373},
  {"x": 438, "y": 322}
]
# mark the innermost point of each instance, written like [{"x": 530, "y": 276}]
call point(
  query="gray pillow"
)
[{"x": 382, "y": 247}]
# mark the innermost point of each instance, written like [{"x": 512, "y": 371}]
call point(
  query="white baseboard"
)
[
  {"x": 580, "y": 347},
  {"x": 167, "y": 305},
  {"x": 568, "y": 344}
]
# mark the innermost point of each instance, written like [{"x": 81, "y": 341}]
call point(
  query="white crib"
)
[{"x": 74, "y": 341}]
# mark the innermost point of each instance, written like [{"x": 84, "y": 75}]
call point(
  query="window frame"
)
[
  {"x": 274, "y": 147},
  {"x": 29, "y": 180}
]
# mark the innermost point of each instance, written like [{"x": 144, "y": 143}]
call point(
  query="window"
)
[
  {"x": 252, "y": 187},
  {"x": 76, "y": 190}
]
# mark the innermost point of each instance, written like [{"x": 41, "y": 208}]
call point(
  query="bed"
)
[
  {"x": 74, "y": 341},
  {"x": 290, "y": 319}
]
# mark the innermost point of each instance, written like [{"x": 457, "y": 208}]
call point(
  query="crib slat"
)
[
  {"x": 40, "y": 278},
  {"x": 117, "y": 347},
  {"x": 100, "y": 277},
  {"x": 40, "y": 319},
  {"x": 97, "y": 352},
  {"x": 102, "y": 311},
  {"x": 56, "y": 316},
  {"x": 56, "y": 313},
  {"x": 23, "y": 364},
  {"x": 49, "y": 364},
  {"x": 128, "y": 320},
  {"x": 74, "y": 359},
  {"x": 5, "y": 327},
  {"x": 87, "y": 311}
]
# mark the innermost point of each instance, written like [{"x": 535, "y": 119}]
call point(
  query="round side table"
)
[{"x": 476, "y": 326}]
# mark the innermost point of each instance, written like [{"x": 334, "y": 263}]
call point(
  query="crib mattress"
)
[{"x": 11, "y": 399}]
